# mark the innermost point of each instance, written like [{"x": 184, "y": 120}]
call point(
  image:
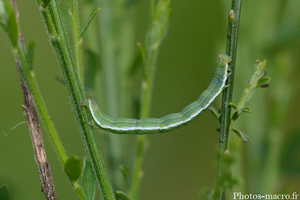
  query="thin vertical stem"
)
[
  {"x": 33, "y": 123},
  {"x": 231, "y": 50},
  {"x": 160, "y": 15},
  {"x": 59, "y": 40},
  {"x": 77, "y": 40}
]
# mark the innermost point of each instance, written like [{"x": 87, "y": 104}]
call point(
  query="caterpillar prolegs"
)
[{"x": 168, "y": 122}]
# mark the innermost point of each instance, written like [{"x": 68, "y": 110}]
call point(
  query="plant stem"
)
[
  {"x": 33, "y": 123},
  {"x": 43, "y": 113},
  {"x": 231, "y": 50},
  {"x": 60, "y": 43},
  {"x": 77, "y": 39},
  {"x": 159, "y": 13}
]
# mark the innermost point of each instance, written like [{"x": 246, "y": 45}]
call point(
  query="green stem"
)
[
  {"x": 231, "y": 50},
  {"x": 61, "y": 46},
  {"x": 77, "y": 40},
  {"x": 147, "y": 86},
  {"x": 108, "y": 27},
  {"x": 160, "y": 15}
]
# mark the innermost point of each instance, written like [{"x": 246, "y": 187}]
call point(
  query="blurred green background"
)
[{"x": 180, "y": 163}]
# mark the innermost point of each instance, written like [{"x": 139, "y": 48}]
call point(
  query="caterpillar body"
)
[{"x": 168, "y": 122}]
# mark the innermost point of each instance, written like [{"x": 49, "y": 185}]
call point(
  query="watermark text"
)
[{"x": 239, "y": 195}]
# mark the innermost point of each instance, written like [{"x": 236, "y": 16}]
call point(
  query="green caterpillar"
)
[{"x": 168, "y": 122}]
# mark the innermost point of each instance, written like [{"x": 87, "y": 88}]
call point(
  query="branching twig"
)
[{"x": 231, "y": 49}]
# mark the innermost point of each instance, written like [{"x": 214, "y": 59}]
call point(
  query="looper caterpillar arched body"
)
[{"x": 168, "y": 122}]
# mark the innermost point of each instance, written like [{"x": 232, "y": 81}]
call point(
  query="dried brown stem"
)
[{"x": 34, "y": 128}]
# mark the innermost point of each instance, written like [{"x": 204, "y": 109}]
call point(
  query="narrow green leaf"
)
[
  {"x": 263, "y": 81},
  {"x": 214, "y": 112},
  {"x": 4, "y": 192},
  {"x": 8, "y": 21},
  {"x": 73, "y": 168},
  {"x": 247, "y": 110},
  {"x": 122, "y": 195},
  {"x": 46, "y": 2},
  {"x": 88, "y": 181},
  {"x": 233, "y": 105},
  {"x": 92, "y": 15},
  {"x": 238, "y": 112},
  {"x": 235, "y": 115},
  {"x": 30, "y": 53},
  {"x": 242, "y": 135}
]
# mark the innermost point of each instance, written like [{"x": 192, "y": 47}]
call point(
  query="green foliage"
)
[
  {"x": 160, "y": 15},
  {"x": 122, "y": 195},
  {"x": 73, "y": 168},
  {"x": 91, "y": 17},
  {"x": 8, "y": 21},
  {"x": 159, "y": 20},
  {"x": 242, "y": 135},
  {"x": 88, "y": 180},
  {"x": 258, "y": 80},
  {"x": 71, "y": 57}
]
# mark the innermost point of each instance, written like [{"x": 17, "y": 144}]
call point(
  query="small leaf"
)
[
  {"x": 8, "y": 21},
  {"x": 30, "y": 53},
  {"x": 122, "y": 195},
  {"x": 233, "y": 105},
  {"x": 88, "y": 180},
  {"x": 242, "y": 135},
  {"x": 235, "y": 115},
  {"x": 263, "y": 81},
  {"x": 238, "y": 112},
  {"x": 246, "y": 110},
  {"x": 46, "y": 2},
  {"x": 92, "y": 15},
  {"x": 214, "y": 112},
  {"x": 73, "y": 168},
  {"x": 4, "y": 192}
]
